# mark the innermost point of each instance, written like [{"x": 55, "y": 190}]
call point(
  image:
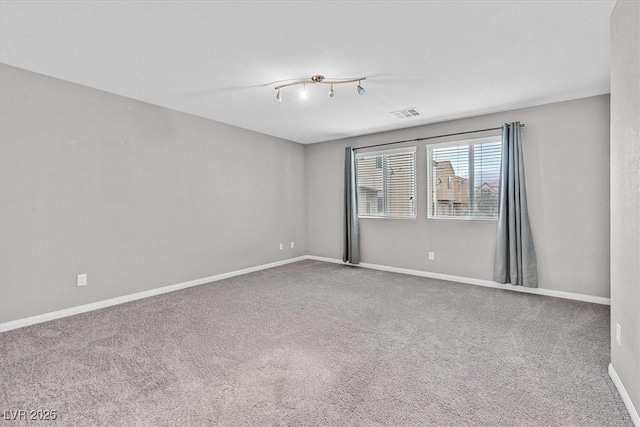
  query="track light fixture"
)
[{"x": 320, "y": 79}]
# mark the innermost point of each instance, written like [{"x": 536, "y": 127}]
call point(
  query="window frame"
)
[
  {"x": 454, "y": 143},
  {"x": 391, "y": 151}
]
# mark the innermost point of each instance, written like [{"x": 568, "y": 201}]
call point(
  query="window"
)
[
  {"x": 464, "y": 178},
  {"x": 386, "y": 182}
]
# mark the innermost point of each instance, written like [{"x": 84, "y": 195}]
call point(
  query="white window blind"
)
[
  {"x": 386, "y": 182},
  {"x": 464, "y": 178}
]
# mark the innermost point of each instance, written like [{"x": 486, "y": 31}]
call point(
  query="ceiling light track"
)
[{"x": 321, "y": 80}]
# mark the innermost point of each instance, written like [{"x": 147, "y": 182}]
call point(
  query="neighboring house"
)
[
  {"x": 370, "y": 186},
  {"x": 487, "y": 199},
  {"x": 383, "y": 177},
  {"x": 370, "y": 201},
  {"x": 451, "y": 195}
]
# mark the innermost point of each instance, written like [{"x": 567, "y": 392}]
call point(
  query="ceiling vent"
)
[{"x": 407, "y": 112}]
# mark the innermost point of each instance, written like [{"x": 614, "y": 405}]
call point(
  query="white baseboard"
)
[
  {"x": 625, "y": 396},
  {"x": 7, "y": 326},
  {"x": 472, "y": 281}
]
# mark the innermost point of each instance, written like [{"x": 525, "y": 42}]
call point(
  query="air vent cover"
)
[{"x": 407, "y": 112}]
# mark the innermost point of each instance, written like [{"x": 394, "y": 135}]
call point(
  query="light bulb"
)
[
  {"x": 278, "y": 96},
  {"x": 303, "y": 92},
  {"x": 360, "y": 89},
  {"x": 331, "y": 92}
]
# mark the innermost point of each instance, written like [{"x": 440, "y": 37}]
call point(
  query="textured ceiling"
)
[{"x": 219, "y": 59}]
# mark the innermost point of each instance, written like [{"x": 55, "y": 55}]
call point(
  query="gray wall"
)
[
  {"x": 139, "y": 197},
  {"x": 135, "y": 195},
  {"x": 625, "y": 194},
  {"x": 566, "y": 149}
]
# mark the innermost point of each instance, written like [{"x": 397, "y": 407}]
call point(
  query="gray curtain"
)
[
  {"x": 351, "y": 252},
  {"x": 515, "y": 258}
]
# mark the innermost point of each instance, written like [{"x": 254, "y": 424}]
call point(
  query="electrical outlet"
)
[
  {"x": 81, "y": 280},
  {"x": 293, "y": 245},
  {"x": 281, "y": 246},
  {"x": 618, "y": 334},
  {"x": 432, "y": 256}
]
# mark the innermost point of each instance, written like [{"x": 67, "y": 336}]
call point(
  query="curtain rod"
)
[{"x": 431, "y": 137}]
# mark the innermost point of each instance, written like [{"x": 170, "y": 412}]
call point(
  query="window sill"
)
[
  {"x": 452, "y": 218},
  {"x": 388, "y": 217}
]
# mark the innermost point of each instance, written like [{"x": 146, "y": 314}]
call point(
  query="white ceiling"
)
[{"x": 219, "y": 60}]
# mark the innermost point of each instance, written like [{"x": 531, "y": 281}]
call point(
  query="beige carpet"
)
[{"x": 312, "y": 343}]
